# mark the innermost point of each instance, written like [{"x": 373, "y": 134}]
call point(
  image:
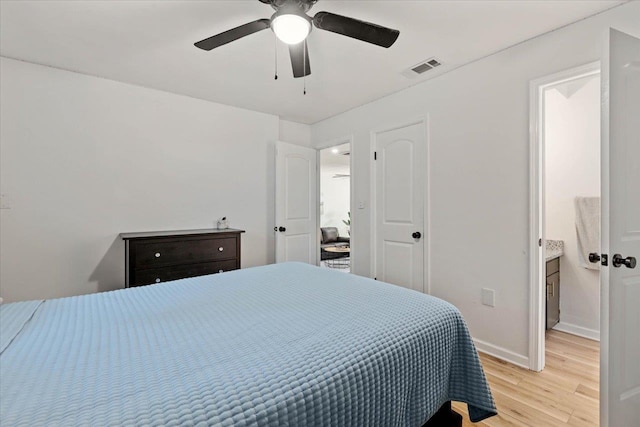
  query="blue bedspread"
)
[{"x": 281, "y": 345}]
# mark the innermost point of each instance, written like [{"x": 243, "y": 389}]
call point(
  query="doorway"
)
[
  {"x": 619, "y": 381},
  {"x": 334, "y": 207},
  {"x": 565, "y": 207}
]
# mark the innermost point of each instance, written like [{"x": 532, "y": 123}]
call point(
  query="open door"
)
[
  {"x": 620, "y": 281},
  {"x": 295, "y": 228}
]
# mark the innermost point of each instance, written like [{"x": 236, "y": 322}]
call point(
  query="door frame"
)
[
  {"x": 352, "y": 204},
  {"x": 537, "y": 205},
  {"x": 426, "y": 205}
]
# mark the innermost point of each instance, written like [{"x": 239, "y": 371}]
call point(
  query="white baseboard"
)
[
  {"x": 502, "y": 353},
  {"x": 578, "y": 330}
]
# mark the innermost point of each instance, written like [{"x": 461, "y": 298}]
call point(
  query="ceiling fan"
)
[{"x": 292, "y": 25}]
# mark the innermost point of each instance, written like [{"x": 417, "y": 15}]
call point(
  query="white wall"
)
[
  {"x": 84, "y": 159},
  {"x": 295, "y": 133},
  {"x": 335, "y": 197},
  {"x": 572, "y": 168},
  {"x": 479, "y": 169}
]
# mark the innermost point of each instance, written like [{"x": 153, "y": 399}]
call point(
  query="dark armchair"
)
[{"x": 331, "y": 238}]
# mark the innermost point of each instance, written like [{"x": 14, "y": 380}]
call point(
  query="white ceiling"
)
[
  {"x": 150, "y": 43},
  {"x": 334, "y": 157}
]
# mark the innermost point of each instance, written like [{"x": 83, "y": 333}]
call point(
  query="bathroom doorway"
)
[
  {"x": 565, "y": 215},
  {"x": 334, "y": 210}
]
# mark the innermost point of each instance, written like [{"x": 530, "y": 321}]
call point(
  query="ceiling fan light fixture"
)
[{"x": 291, "y": 28}]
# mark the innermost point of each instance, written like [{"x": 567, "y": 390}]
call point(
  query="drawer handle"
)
[
  {"x": 551, "y": 290},
  {"x": 158, "y": 280},
  {"x": 220, "y": 249},
  {"x": 220, "y": 271},
  {"x": 157, "y": 254}
]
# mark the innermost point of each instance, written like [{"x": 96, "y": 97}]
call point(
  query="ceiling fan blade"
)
[
  {"x": 361, "y": 30},
  {"x": 233, "y": 34},
  {"x": 300, "y": 59}
]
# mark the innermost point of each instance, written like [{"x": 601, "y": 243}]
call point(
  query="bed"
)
[{"x": 287, "y": 344}]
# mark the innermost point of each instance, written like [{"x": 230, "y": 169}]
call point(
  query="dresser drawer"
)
[
  {"x": 166, "y": 274},
  {"x": 152, "y": 253},
  {"x": 224, "y": 248}
]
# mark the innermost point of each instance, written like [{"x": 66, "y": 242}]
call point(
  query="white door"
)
[
  {"x": 295, "y": 228},
  {"x": 399, "y": 210},
  {"x": 620, "y": 340}
]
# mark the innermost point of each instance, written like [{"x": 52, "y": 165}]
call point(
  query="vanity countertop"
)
[{"x": 554, "y": 249}]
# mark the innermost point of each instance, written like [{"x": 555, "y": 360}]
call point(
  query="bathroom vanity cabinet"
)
[{"x": 553, "y": 292}]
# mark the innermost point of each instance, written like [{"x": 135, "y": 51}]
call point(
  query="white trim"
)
[
  {"x": 372, "y": 206},
  {"x": 426, "y": 204},
  {"x": 502, "y": 353},
  {"x": 580, "y": 331},
  {"x": 347, "y": 139},
  {"x": 537, "y": 206},
  {"x": 536, "y": 227},
  {"x": 352, "y": 202}
]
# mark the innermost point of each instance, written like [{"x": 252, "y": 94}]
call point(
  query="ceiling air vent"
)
[{"x": 422, "y": 68}]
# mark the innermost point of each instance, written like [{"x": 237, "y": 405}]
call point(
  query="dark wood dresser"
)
[{"x": 161, "y": 256}]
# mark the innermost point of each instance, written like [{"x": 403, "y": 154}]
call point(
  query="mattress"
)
[{"x": 286, "y": 345}]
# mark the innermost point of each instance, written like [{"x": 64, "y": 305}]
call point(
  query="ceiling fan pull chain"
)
[
  {"x": 304, "y": 62},
  {"x": 275, "y": 44}
]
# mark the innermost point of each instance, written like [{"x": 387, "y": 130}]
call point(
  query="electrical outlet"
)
[
  {"x": 361, "y": 204},
  {"x": 488, "y": 297}
]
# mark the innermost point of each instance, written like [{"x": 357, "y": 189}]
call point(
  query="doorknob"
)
[
  {"x": 595, "y": 257},
  {"x": 416, "y": 235},
  {"x": 282, "y": 229},
  {"x": 618, "y": 261}
]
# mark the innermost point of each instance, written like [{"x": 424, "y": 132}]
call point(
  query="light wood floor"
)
[{"x": 565, "y": 393}]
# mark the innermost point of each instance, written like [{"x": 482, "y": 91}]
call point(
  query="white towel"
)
[{"x": 588, "y": 229}]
